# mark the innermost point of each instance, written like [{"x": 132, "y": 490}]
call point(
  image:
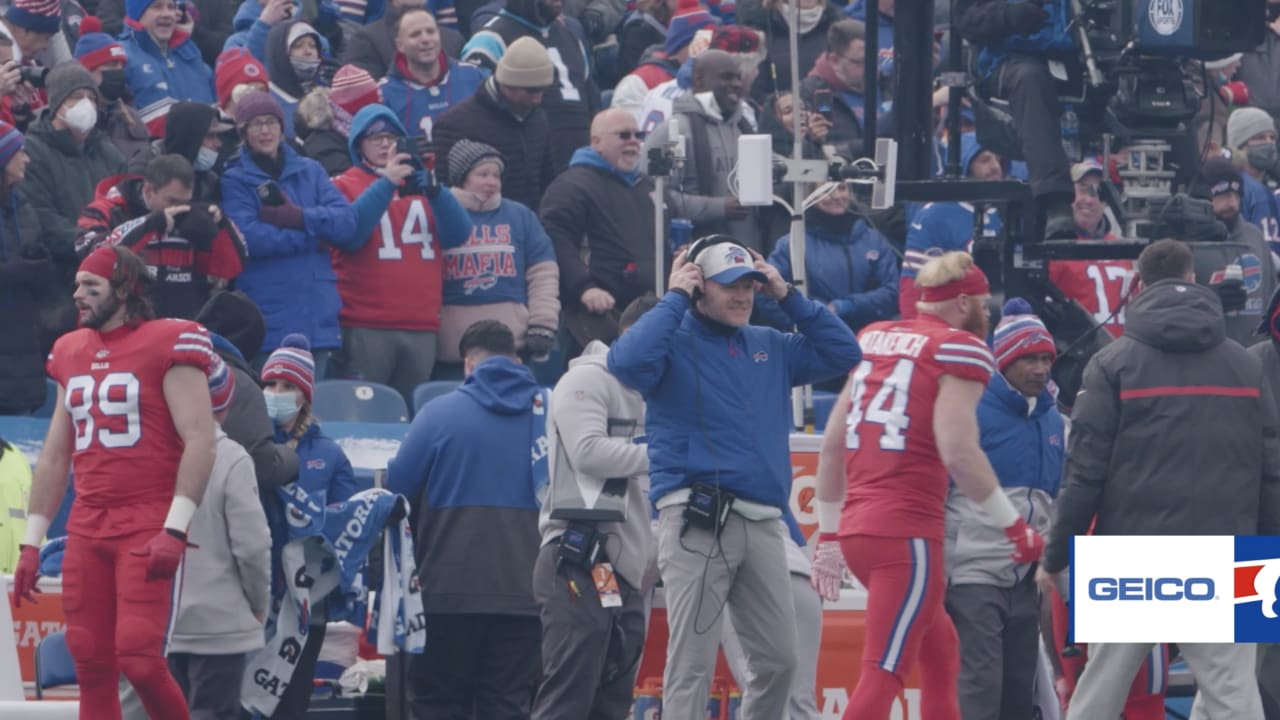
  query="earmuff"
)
[{"x": 698, "y": 246}]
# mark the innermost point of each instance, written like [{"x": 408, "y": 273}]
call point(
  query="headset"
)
[{"x": 697, "y": 247}]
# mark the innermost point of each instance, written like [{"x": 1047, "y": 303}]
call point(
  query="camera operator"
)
[
  {"x": 16, "y": 91},
  {"x": 1024, "y": 45},
  {"x": 193, "y": 247},
  {"x": 717, "y": 420}
]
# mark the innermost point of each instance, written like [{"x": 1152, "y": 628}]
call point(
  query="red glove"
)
[
  {"x": 163, "y": 552},
  {"x": 1234, "y": 93},
  {"x": 827, "y": 570},
  {"x": 24, "y": 578},
  {"x": 1027, "y": 543}
]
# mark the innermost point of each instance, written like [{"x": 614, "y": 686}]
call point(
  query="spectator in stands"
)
[
  {"x": 1258, "y": 69},
  {"x": 601, "y": 209},
  {"x": 293, "y": 65},
  {"x": 26, "y": 279},
  {"x": 405, "y": 223},
  {"x": 15, "y": 492},
  {"x": 777, "y": 120},
  {"x": 31, "y": 25},
  {"x": 1135, "y": 468},
  {"x": 104, "y": 58},
  {"x": 69, "y": 157},
  {"x": 290, "y": 213},
  {"x": 227, "y": 584},
  {"x": 742, "y": 43},
  {"x": 943, "y": 227},
  {"x": 238, "y": 73},
  {"x": 598, "y": 18},
  {"x": 836, "y": 83},
  {"x": 1211, "y": 121},
  {"x": 703, "y": 319},
  {"x": 1251, "y": 133},
  {"x": 657, "y": 67},
  {"x": 423, "y": 83},
  {"x": 16, "y": 95},
  {"x": 194, "y": 249},
  {"x": 196, "y": 134},
  {"x": 324, "y": 473},
  {"x": 164, "y": 65},
  {"x": 506, "y": 113},
  {"x": 236, "y": 328},
  {"x": 993, "y": 601},
  {"x": 372, "y": 49},
  {"x": 711, "y": 120},
  {"x": 591, "y": 653},
  {"x": 884, "y": 33},
  {"x": 507, "y": 269},
  {"x": 849, "y": 267},
  {"x": 1016, "y": 41},
  {"x": 643, "y": 31},
  {"x": 572, "y": 98},
  {"x": 465, "y": 467},
  {"x": 208, "y": 22},
  {"x": 815, "y": 19}
]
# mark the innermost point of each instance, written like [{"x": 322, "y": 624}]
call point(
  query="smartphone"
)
[
  {"x": 269, "y": 194},
  {"x": 822, "y": 102}
]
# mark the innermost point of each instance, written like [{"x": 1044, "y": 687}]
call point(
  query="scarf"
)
[
  {"x": 823, "y": 69},
  {"x": 835, "y": 225}
]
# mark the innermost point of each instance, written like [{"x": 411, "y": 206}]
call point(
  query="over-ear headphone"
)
[{"x": 701, "y": 244}]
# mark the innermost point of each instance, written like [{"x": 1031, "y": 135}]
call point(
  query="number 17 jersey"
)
[{"x": 897, "y": 484}]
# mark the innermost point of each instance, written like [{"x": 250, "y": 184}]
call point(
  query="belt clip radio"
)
[
  {"x": 708, "y": 508},
  {"x": 579, "y": 546}
]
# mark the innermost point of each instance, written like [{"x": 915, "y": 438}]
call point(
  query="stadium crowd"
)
[{"x": 407, "y": 191}]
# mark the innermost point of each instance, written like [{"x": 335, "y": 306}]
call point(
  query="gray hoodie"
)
[
  {"x": 593, "y": 426},
  {"x": 227, "y": 578}
]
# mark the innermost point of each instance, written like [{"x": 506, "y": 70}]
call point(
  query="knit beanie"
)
[
  {"x": 292, "y": 361},
  {"x": 65, "y": 79},
  {"x": 256, "y": 104},
  {"x": 466, "y": 154},
  {"x": 133, "y": 9},
  {"x": 353, "y": 88},
  {"x": 94, "y": 50},
  {"x": 525, "y": 64},
  {"x": 38, "y": 16},
  {"x": 1020, "y": 333},
  {"x": 222, "y": 384},
  {"x": 689, "y": 18},
  {"x": 236, "y": 66},
  {"x": 1246, "y": 122},
  {"x": 1218, "y": 177},
  {"x": 11, "y": 141}
]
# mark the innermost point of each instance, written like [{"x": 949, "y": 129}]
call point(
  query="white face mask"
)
[
  {"x": 205, "y": 159},
  {"x": 281, "y": 406},
  {"x": 809, "y": 18},
  {"x": 82, "y": 116}
]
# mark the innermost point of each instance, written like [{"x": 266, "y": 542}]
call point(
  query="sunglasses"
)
[{"x": 628, "y": 134}]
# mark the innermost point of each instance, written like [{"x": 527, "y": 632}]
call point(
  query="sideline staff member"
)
[{"x": 717, "y": 422}]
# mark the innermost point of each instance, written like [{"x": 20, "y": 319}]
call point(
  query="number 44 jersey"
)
[
  {"x": 126, "y": 446},
  {"x": 897, "y": 484}
]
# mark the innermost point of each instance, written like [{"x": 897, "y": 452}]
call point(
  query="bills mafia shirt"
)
[
  {"x": 127, "y": 449},
  {"x": 897, "y": 484}
]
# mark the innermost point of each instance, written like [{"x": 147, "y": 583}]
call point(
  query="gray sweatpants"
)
[
  {"x": 745, "y": 569},
  {"x": 1224, "y": 672},
  {"x": 999, "y": 631},
  {"x": 803, "y": 704},
  {"x": 399, "y": 358}
]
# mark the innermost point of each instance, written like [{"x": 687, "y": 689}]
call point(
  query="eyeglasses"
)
[
  {"x": 387, "y": 138},
  {"x": 628, "y": 134},
  {"x": 264, "y": 123}
]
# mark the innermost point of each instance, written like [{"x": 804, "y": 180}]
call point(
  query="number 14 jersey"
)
[
  {"x": 126, "y": 446},
  {"x": 897, "y": 485}
]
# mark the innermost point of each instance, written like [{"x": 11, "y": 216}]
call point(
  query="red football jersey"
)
[
  {"x": 1100, "y": 286},
  {"x": 395, "y": 280},
  {"x": 897, "y": 484},
  {"x": 126, "y": 446}
]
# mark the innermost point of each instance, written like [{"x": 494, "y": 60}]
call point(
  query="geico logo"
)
[{"x": 1165, "y": 588}]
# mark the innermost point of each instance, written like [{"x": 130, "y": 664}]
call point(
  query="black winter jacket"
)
[
  {"x": 26, "y": 273},
  {"x": 1173, "y": 432}
]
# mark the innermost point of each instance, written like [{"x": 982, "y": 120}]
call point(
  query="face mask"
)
[
  {"x": 113, "y": 84},
  {"x": 1263, "y": 157},
  {"x": 305, "y": 68},
  {"x": 281, "y": 407},
  {"x": 205, "y": 159},
  {"x": 82, "y": 116},
  {"x": 809, "y": 18}
]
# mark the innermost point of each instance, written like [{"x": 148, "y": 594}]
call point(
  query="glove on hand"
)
[
  {"x": 1232, "y": 294},
  {"x": 827, "y": 572},
  {"x": 538, "y": 341},
  {"x": 25, "y": 576},
  {"x": 1027, "y": 543},
  {"x": 164, "y": 553},
  {"x": 287, "y": 215}
]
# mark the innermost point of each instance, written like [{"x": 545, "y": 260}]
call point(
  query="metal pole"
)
[
  {"x": 659, "y": 234},
  {"x": 955, "y": 62},
  {"x": 801, "y": 397},
  {"x": 871, "y": 95}
]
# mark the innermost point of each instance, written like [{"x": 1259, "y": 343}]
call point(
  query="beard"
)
[
  {"x": 100, "y": 315},
  {"x": 976, "y": 321}
]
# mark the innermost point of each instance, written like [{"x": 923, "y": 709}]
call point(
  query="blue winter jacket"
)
[
  {"x": 856, "y": 273},
  {"x": 884, "y": 34},
  {"x": 158, "y": 76},
  {"x": 289, "y": 275},
  {"x": 1053, "y": 38},
  {"x": 1258, "y": 206},
  {"x": 1026, "y": 449},
  {"x": 251, "y": 33},
  {"x": 412, "y": 102},
  {"x": 717, "y": 399}
]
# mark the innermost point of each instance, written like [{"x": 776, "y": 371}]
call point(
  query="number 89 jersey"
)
[
  {"x": 126, "y": 446},
  {"x": 897, "y": 484}
]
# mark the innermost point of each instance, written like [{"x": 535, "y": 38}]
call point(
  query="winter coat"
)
[
  {"x": 373, "y": 47},
  {"x": 1246, "y": 248},
  {"x": 1025, "y": 445},
  {"x": 984, "y": 23},
  {"x": 284, "y": 84},
  {"x": 158, "y": 77},
  {"x": 525, "y": 143},
  {"x": 210, "y": 32},
  {"x": 124, "y": 126},
  {"x": 775, "y": 69},
  {"x": 227, "y": 583},
  {"x": 26, "y": 274},
  {"x": 288, "y": 274},
  {"x": 247, "y": 422},
  {"x": 1163, "y": 408}
]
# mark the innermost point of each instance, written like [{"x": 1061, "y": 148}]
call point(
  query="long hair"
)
[{"x": 132, "y": 274}]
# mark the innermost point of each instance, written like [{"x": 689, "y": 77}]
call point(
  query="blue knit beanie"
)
[{"x": 38, "y": 16}]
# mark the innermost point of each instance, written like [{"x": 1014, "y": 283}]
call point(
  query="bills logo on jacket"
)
[{"x": 1252, "y": 268}]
